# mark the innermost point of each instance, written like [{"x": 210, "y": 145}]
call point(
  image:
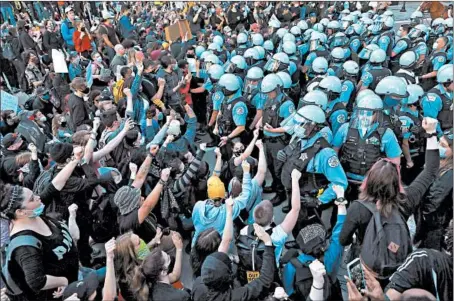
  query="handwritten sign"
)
[
  {"x": 9, "y": 102},
  {"x": 58, "y": 59},
  {"x": 252, "y": 275}
]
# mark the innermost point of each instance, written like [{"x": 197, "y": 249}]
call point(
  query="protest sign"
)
[
  {"x": 9, "y": 102},
  {"x": 59, "y": 61}
]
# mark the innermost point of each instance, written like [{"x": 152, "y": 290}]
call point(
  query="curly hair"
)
[{"x": 10, "y": 200}]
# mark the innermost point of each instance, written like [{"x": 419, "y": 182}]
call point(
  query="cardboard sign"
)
[
  {"x": 178, "y": 30},
  {"x": 59, "y": 61},
  {"x": 252, "y": 275},
  {"x": 9, "y": 102},
  {"x": 32, "y": 133}
]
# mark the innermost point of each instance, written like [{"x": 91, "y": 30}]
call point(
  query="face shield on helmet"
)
[
  {"x": 276, "y": 64},
  {"x": 367, "y": 51},
  {"x": 339, "y": 40},
  {"x": 362, "y": 119},
  {"x": 314, "y": 44},
  {"x": 252, "y": 81}
]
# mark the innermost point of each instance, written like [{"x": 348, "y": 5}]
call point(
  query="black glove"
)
[{"x": 310, "y": 202}]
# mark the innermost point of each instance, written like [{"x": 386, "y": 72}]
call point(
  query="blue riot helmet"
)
[
  {"x": 257, "y": 39},
  {"x": 419, "y": 31},
  {"x": 289, "y": 48},
  {"x": 416, "y": 18},
  {"x": 268, "y": 45},
  {"x": 388, "y": 22},
  {"x": 218, "y": 40},
  {"x": 235, "y": 63},
  {"x": 337, "y": 55},
  {"x": 333, "y": 27},
  {"x": 339, "y": 40},
  {"x": 288, "y": 37},
  {"x": 214, "y": 47},
  {"x": 332, "y": 86},
  {"x": 364, "y": 93},
  {"x": 307, "y": 34},
  {"x": 315, "y": 97},
  {"x": 366, "y": 21},
  {"x": 251, "y": 56},
  {"x": 367, "y": 51},
  {"x": 271, "y": 83},
  {"x": 210, "y": 60},
  {"x": 408, "y": 59},
  {"x": 278, "y": 62},
  {"x": 215, "y": 72},
  {"x": 281, "y": 32},
  {"x": 274, "y": 23},
  {"x": 229, "y": 84},
  {"x": 392, "y": 86},
  {"x": 445, "y": 74},
  {"x": 296, "y": 31},
  {"x": 286, "y": 79},
  {"x": 346, "y": 21},
  {"x": 260, "y": 51},
  {"x": 415, "y": 93},
  {"x": 356, "y": 15},
  {"x": 205, "y": 54},
  {"x": 324, "y": 22},
  {"x": 320, "y": 65},
  {"x": 344, "y": 13},
  {"x": 350, "y": 68},
  {"x": 253, "y": 78},
  {"x": 388, "y": 13},
  {"x": 438, "y": 26},
  {"x": 364, "y": 114},
  {"x": 199, "y": 50},
  {"x": 318, "y": 27},
  {"x": 377, "y": 56},
  {"x": 316, "y": 40},
  {"x": 307, "y": 120},
  {"x": 241, "y": 38},
  {"x": 302, "y": 25},
  {"x": 355, "y": 29}
]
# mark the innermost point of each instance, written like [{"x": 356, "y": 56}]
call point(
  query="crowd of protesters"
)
[{"x": 327, "y": 111}]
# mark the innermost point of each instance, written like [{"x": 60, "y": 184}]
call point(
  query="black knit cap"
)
[{"x": 60, "y": 152}]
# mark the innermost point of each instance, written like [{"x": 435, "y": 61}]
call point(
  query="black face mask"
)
[
  {"x": 227, "y": 92},
  {"x": 63, "y": 124},
  {"x": 86, "y": 90},
  {"x": 190, "y": 55}
]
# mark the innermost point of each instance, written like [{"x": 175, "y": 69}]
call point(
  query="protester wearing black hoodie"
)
[{"x": 216, "y": 281}]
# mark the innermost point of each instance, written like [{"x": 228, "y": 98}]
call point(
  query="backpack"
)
[
  {"x": 117, "y": 90},
  {"x": 303, "y": 277},
  {"x": 250, "y": 251},
  {"x": 28, "y": 104},
  {"x": 44, "y": 180},
  {"x": 18, "y": 241},
  {"x": 8, "y": 52},
  {"x": 386, "y": 242}
]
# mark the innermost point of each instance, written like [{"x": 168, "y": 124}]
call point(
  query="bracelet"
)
[
  {"x": 341, "y": 200},
  {"x": 93, "y": 137},
  {"x": 162, "y": 182},
  {"x": 317, "y": 288},
  {"x": 427, "y": 135}
]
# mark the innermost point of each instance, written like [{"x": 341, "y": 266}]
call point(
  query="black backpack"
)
[
  {"x": 386, "y": 242},
  {"x": 250, "y": 252},
  {"x": 28, "y": 104},
  {"x": 44, "y": 180}
]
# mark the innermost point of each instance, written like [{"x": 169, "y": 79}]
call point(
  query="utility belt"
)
[{"x": 276, "y": 139}]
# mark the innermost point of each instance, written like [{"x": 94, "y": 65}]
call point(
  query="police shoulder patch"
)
[
  {"x": 333, "y": 161},
  {"x": 431, "y": 97},
  {"x": 217, "y": 96},
  {"x": 344, "y": 88},
  {"x": 340, "y": 118},
  {"x": 441, "y": 59},
  {"x": 291, "y": 109},
  {"x": 384, "y": 39},
  {"x": 239, "y": 110}
]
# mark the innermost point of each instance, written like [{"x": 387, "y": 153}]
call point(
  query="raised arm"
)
[
  {"x": 129, "y": 124},
  {"x": 291, "y": 218},
  {"x": 143, "y": 172},
  {"x": 153, "y": 198},
  {"x": 60, "y": 180},
  {"x": 218, "y": 165},
  {"x": 176, "y": 272},
  {"x": 72, "y": 224},
  {"x": 248, "y": 151},
  {"x": 109, "y": 291},
  {"x": 227, "y": 235},
  {"x": 261, "y": 169}
]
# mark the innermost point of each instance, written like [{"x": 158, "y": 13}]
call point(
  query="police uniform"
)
[
  {"x": 336, "y": 114},
  {"x": 354, "y": 44},
  {"x": 371, "y": 78},
  {"x": 358, "y": 153},
  {"x": 319, "y": 52},
  {"x": 240, "y": 50},
  {"x": 215, "y": 98},
  {"x": 274, "y": 112},
  {"x": 438, "y": 104},
  {"x": 348, "y": 93},
  {"x": 335, "y": 69},
  {"x": 435, "y": 61},
  {"x": 386, "y": 41},
  {"x": 408, "y": 76},
  {"x": 411, "y": 128}
]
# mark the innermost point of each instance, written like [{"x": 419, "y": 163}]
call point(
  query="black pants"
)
[
  {"x": 20, "y": 69},
  {"x": 272, "y": 146}
]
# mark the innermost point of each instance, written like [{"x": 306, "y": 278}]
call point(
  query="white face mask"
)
[
  {"x": 85, "y": 98},
  {"x": 43, "y": 118},
  {"x": 435, "y": 46}
]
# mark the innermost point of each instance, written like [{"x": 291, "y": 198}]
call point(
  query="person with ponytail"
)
[
  {"x": 152, "y": 280},
  {"x": 436, "y": 207},
  {"x": 36, "y": 270}
]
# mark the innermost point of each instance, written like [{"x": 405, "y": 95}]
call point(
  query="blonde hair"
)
[{"x": 131, "y": 56}]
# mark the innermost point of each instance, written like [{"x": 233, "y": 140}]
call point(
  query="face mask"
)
[
  {"x": 46, "y": 97},
  {"x": 399, "y": 33},
  {"x": 117, "y": 178},
  {"x": 390, "y": 102},
  {"x": 63, "y": 124},
  {"x": 442, "y": 151},
  {"x": 143, "y": 250},
  {"x": 37, "y": 211},
  {"x": 99, "y": 59},
  {"x": 43, "y": 119},
  {"x": 175, "y": 67},
  {"x": 86, "y": 90},
  {"x": 435, "y": 46},
  {"x": 300, "y": 132}
]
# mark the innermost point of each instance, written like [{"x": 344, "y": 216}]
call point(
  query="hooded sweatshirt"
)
[{"x": 205, "y": 214}]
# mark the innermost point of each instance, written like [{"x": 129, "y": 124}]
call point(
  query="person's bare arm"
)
[
  {"x": 109, "y": 291},
  {"x": 227, "y": 235},
  {"x": 291, "y": 218},
  {"x": 213, "y": 118},
  {"x": 176, "y": 272},
  {"x": 262, "y": 166},
  {"x": 107, "y": 41},
  {"x": 143, "y": 172},
  {"x": 153, "y": 198},
  {"x": 98, "y": 155},
  {"x": 161, "y": 86},
  {"x": 238, "y": 130},
  {"x": 248, "y": 151},
  {"x": 257, "y": 117},
  {"x": 218, "y": 165},
  {"x": 72, "y": 224},
  {"x": 60, "y": 180}
]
